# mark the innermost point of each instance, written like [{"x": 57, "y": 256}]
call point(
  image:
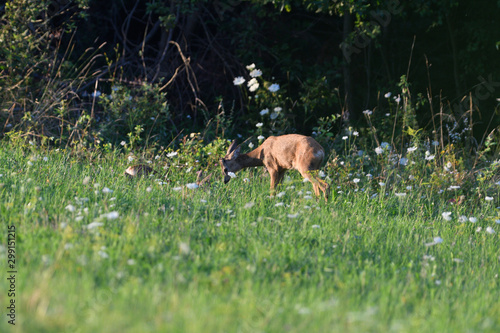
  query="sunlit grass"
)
[{"x": 97, "y": 251}]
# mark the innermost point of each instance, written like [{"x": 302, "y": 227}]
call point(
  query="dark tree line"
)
[{"x": 329, "y": 57}]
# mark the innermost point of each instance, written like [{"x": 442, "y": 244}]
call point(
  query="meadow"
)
[{"x": 405, "y": 246}]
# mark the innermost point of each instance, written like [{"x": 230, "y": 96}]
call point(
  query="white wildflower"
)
[
  {"x": 293, "y": 216},
  {"x": 192, "y": 186},
  {"x": 315, "y": 226},
  {"x": 436, "y": 240},
  {"x": 488, "y": 198},
  {"x": 107, "y": 190},
  {"x": 446, "y": 216},
  {"x": 239, "y": 80},
  {"x": 428, "y": 156},
  {"x": 273, "y": 115},
  {"x": 367, "y": 112},
  {"x": 403, "y": 161},
  {"x": 94, "y": 225},
  {"x": 253, "y": 85},
  {"x": 472, "y": 219},
  {"x": 172, "y": 154},
  {"x": 412, "y": 149},
  {"x": 258, "y": 125},
  {"x": 112, "y": 215},
  {"x": 103, "y": 254},
  {"x": 231, "y": 174},
  {"x": 264, "y": 112},
  {"x": 250, "y": 145},
  {"x": 70, "y": 208},
  {"x": 256, "y": 73},
  {"x": 400, "y": 195},
  {"x": 261, "y": 137},
  {"x": 462, "y": 219},
  {"x": 278, "y": 109},
  {"x": 345, "y": 137},
  {"x": 251, "y": 67},
  {"x": 249, "y": 205},
  {"x": 379, "y": 150},
  {"x": 274, "y": 87},
  {"x": 184, "y": 248},
  {"x": 388, "y": 95},
  {"x": 490, "y": 230}
]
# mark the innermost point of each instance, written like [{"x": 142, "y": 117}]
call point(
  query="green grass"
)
[{"x": 172, "y": 262}]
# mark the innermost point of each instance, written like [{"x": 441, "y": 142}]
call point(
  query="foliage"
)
[
  {"x": 125, "y": 111},
  {"x": 38, "y": 81},
  {"x": 63, "y": 59}
]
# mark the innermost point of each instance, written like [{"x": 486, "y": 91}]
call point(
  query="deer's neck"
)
[{"x": 251, "y": 159}]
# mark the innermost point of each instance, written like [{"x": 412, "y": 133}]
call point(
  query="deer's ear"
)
[
  {"x": 231, "y": 147},
  {"x": 236, "y": 152}
]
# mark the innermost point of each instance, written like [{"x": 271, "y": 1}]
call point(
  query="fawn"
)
[{"x": 278, "y": 154}]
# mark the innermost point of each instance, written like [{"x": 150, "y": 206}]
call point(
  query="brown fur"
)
[{"x": 279, "y": 154}]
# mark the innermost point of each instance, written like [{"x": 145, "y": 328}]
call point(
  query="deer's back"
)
[{"x": 293, "y": 151}]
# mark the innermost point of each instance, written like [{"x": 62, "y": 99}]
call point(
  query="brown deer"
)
[{"x": 278, "y": 154}]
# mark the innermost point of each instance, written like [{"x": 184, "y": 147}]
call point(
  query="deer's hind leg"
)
[{"x": 317, "y": 183}]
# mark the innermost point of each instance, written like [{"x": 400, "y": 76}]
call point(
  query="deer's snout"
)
[{"x": 226, "y": 179}]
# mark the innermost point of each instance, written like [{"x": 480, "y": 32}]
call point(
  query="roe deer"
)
[{"x": 278, "y": 154}]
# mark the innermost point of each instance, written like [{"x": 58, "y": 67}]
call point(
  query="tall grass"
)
[{"x": 99, "y": 252}]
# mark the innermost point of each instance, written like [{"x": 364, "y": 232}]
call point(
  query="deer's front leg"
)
[{"x": 274, "y": 178}]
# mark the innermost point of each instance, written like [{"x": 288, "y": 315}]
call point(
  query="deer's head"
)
[{"x": 228, "y": 163}]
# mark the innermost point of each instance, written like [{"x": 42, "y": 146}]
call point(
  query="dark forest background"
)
[{"x": 145, "y": 71}]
